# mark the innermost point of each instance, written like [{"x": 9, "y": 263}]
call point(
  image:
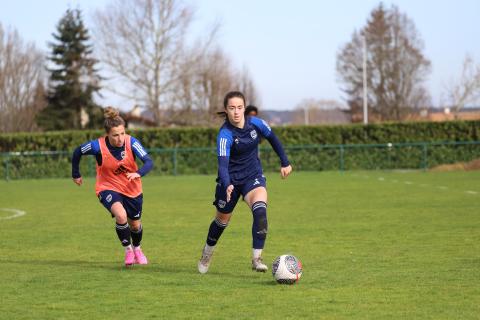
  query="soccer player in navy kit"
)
[
  {"x": 118, "y": 182},
  {"x": 240, "y": 174},
  {"x": 251, "y": 110}
]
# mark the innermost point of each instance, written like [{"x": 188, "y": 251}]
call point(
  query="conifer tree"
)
[{"x": 73, "y": 78}]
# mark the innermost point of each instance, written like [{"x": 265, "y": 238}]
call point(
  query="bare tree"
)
[
  {"x": 143, "y": 42},
  {"x": 466, "y": 89},
  {"x": 204, "y": 83},
  {"x": 21, "y": 82},
  {"x": 396, "y": 66},
  {"x": 248, "y": 88}
]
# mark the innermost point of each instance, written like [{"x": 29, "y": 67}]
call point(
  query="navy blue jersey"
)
[
  {"x": 93, "y": 148},
  {"x": 238, "y": 147}
]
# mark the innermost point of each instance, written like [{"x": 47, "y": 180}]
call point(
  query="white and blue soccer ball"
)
[{"x": 287, "y": 269}]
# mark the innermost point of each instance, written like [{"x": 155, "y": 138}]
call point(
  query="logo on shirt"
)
[
  {"x": 123, "y": 154},
  {"x": 256, "y": 182},
  {"x": 120, "y": 170},
  {"x": 237, "y": 141},
  {"x": 253, "y": 134},
  {"x": 109, "y": 198},
  {"x": 221, "y": 204}
]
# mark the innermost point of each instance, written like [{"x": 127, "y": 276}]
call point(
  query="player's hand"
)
[
  {"x": 78, "y": 181},
  {"x": 285, "y": 171},
  {"x": 229, "y": 192},
  {"x": 132, "y": 175}
]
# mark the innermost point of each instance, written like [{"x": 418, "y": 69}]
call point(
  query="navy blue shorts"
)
[
  {"x": 239, "y": 190},
  {"x": 133, "y": 206}
]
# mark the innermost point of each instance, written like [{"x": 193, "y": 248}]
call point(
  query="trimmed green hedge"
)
[
  {"x": 192, "y": 150},
  {"x": 295, "y": 135},
  {"x": 308, "y": 158}
]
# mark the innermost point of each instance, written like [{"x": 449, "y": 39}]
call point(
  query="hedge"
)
[
  {"x": 192, "y": 150},
  {"x": 290, "y": 136}
]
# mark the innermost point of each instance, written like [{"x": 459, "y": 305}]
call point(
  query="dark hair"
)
[
  {"x": 112, "y": 119},
  {"x": 228, "y": 96},
  {"x": 251, "y": 108},
  {"x": 233, "y": 94}
]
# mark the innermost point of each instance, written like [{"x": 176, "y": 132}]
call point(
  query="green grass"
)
[{"x": 374, "y": 245}]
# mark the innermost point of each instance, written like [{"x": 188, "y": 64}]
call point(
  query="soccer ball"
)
[{"x": 287, "y": 269}]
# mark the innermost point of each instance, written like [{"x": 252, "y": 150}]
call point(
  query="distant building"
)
[
  {"x": 138, "y": 118},
  {"x": 446, "y": 114},
  {"x": 303, "y": 117}
]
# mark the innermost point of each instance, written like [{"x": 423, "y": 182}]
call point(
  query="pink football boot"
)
[
  {"x": 129, "y": 258},
  {"x": 139, "y": 256}
]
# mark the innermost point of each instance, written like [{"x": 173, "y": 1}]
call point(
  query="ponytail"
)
[{"x": 112, "y": 119}]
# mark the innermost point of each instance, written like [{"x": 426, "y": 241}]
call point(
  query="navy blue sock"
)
[
  {"x": 215, "y": 231},
  {"x": 123, "y": 233},
  {"x": 137, "y": 236},
  {"x": 259, "y": 225}
]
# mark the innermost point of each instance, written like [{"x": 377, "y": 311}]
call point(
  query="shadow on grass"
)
[
  {"x": 65, "y": 263},
  {"x": 151, "y": 268}
]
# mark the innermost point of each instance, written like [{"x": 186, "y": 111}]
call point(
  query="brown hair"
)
[
  {"x": 228, "y": 96},
  {"x": 112, "y": 119}
]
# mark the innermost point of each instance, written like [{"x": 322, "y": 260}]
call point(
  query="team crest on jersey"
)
[
  {"x": 221, "y": 204},
  {"x": 253, "y": 134}
]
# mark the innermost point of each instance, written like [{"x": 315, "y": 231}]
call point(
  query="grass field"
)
[{"x": 374, "y": 245}]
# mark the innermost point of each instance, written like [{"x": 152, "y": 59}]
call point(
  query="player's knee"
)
[
  {"x": 223, "y": 218},
  {"x": 120, "y": 219},
  {"x": 135, "y": 226},
  {"x": 119, "y": 213}
]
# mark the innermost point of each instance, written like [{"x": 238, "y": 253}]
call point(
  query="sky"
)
[{"x": 289, "y": 47}]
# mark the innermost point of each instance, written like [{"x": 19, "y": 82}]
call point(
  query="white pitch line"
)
[
  {"x": 411, "y": 183},
  {"x": 16, "y": 213}
]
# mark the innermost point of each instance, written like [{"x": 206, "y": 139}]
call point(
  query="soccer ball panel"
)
[{"x": 287, "y": 269}]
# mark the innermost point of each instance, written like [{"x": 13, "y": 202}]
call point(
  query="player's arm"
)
[
  {"x": 140, "y": 152},
  {"x": 267, "y": 132},
  {"x": 89, "y": 148},
  {"x": 224, "y": 142}
]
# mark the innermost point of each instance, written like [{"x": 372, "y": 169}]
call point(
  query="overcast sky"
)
[{"x": 289, "y": 47}]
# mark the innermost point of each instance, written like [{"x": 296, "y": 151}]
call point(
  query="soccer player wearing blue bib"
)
[{"x": 240, "y": 173}]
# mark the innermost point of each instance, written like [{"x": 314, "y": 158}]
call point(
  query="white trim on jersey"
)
[
  {"x": 223, "y": 147},
  {"x": 86, "y": 148},
  {"x": 139, "y": 148},
  {"x": 266, "y": 125}
]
